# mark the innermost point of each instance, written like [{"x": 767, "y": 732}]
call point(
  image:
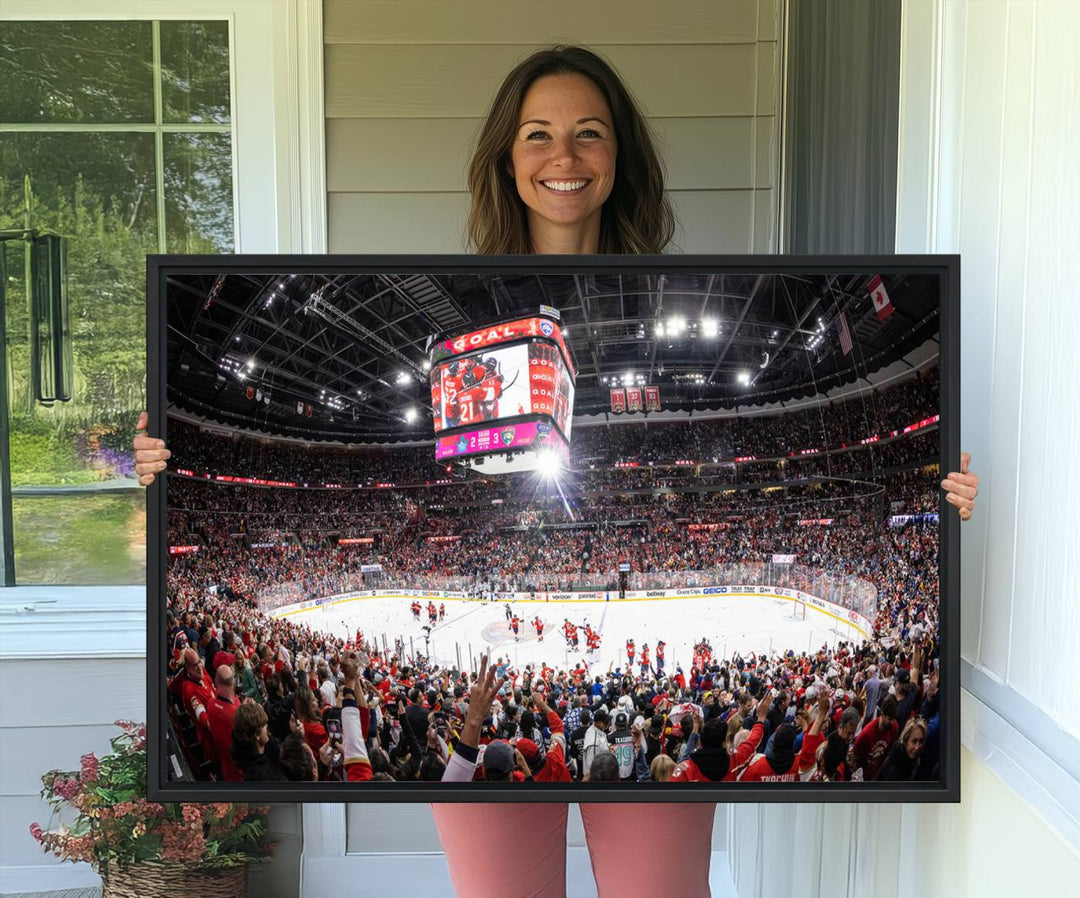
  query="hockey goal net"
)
[{"x": 798, "y": 609}]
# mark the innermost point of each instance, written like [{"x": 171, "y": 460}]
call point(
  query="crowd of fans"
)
[
  {"x": 833, "y": 426},
  {"x": 267, "y": 699}
]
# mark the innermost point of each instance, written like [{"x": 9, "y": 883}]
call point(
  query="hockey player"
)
[
  {"x": 515, "y": 623},
  {"x": 645, "y": 659},
  {"x": 490, "y": 390},
  {"x": 574, "y": 636},
  {"x": 539, "y": 624},
  {"x": 416, "y": 610},
  {"x": 630, "y": 653},
  {"x": 432, "y": 613},
  {"x": 452, "y": 386},
  {"x": 660, "y": 657},
  {"x": 593, "y": 640},
  {"x": 442, "y": 611},
  {"x": 509, "y": 611},
  {"x": 566, "y": 630}
]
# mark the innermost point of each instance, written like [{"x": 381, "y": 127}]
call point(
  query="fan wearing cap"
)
[
  {"x": 873, "y": 742},
  {"x": 550, "y": 767},
  {"x": 713, "y": 763}
]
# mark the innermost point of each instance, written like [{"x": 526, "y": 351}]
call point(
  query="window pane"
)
[
  {"x": 76, "y": 72},
  {"x": 195, "y": 72},
  {"x": 198, "y": 193},
  {"x": 98, "y": 191},
  {"x": 81, "y": 539}
]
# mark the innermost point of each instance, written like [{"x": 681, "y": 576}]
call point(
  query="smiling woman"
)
[{"x": 565, "y": 145}]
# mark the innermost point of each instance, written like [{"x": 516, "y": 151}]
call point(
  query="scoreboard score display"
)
[{"x": 502, "y": 393}]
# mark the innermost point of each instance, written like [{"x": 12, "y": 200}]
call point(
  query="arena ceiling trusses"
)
[{"x": 257, "y": 351}]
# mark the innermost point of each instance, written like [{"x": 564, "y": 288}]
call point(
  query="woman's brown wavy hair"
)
[{"x": 637, "y": 216}]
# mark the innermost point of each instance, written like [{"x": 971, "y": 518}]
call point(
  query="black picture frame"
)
[{"x": 947, "y": 789}]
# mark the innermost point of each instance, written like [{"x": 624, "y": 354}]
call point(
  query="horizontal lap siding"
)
[
  {"x": 52, "y": 713},
  {"x": 408, "y": 84}
]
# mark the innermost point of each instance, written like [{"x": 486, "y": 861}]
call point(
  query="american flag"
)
[{"x": 845, "y": 334}]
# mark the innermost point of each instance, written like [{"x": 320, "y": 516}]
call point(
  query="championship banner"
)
[
  {"x": 618, "y": 400},
  {"x": 633, "y": 399},
  {"x": 652, "y": 399}
]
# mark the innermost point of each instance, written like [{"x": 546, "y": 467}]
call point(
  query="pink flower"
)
[
  {"x": 36, "y": 832},
  {"x": 65, "y": 788},
  {"x": 89, "y": 768},
  {"x": 192, "y": 813}
]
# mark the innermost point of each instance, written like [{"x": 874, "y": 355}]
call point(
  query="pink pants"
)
[{"x": 496, "y": 850}]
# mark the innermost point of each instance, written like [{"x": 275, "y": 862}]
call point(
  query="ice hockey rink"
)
[{"x": 733, "y": 623}]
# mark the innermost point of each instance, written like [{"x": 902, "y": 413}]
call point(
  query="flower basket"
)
[
  {"x": 145, "y": 849},
  {"x": 173, "y": 881}
]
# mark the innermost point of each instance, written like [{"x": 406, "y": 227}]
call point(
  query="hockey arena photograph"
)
[{"x": 505, "y": 526}]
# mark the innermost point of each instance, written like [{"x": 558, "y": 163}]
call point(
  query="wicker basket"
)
[{"x": 148, "y": 880}]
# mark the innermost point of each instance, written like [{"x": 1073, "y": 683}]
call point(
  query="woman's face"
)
[
  {"x": 915, "y": 741},
  {"x": 563, "y": 154}
]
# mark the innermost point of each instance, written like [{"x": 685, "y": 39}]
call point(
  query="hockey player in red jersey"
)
[
  {"x": 630, "y": 653},
  {"x": 442, "y": 611},
  {"x": 594, "y": 641},
  {"x": 660, "y": 657},
  {"x": 515, "y": 623},
  {"x": 645, "y": 659},
  {"x": 539, "y": 624}
]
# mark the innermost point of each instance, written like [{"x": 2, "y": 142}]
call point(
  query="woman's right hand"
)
[{"x": 150, "y": 453}]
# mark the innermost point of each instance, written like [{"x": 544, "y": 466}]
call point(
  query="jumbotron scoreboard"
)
[{"x": 502, "y": 396}]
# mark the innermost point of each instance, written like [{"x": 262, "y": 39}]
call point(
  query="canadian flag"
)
[{"x": 880, "y": 298}]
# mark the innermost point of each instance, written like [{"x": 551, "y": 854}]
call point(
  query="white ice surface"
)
[{"x": 732, "y": 624}]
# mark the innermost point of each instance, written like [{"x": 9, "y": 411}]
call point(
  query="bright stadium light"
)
[
  {"x": 549, "y": 463},
  {"x": 659, "y": 328},
  {"x": 676, "y": 325},
  {"x": 628, "y": 377},
  {"x": 427, "y": 365},
  {"x": 744, "y": 378},
  {"x": 404, "y": 377},
  {"x": 710, "y": 327},
  {"x": 410, "y": 414}
]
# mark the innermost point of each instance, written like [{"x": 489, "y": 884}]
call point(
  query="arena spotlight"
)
[
  {"x": 548, "y": 463},
  {"x": 710, "y": 327},
  {"x": 744, "y": 378},
  {"x": 410, "y": 414},
  {"x": 403, "y": 378},
  {"x": 676, "y": 326},
  {"x": 427, "y": 365},
  {"x": 628, "y": 377}
]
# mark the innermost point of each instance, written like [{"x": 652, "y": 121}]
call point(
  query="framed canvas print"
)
[{"x": 569, "y": 528}]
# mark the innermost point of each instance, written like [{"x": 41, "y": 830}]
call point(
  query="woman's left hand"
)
[{"x": 962, "y": 487}]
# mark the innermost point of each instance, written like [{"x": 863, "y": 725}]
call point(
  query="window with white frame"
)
[{"x": 118, "y": 136}]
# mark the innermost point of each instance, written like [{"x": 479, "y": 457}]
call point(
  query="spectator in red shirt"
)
[
  {"x": 873, "y": 743},
  {"x": 220, "y": 712}
]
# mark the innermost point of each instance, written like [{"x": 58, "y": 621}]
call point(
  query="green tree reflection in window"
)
[{"x": 118, "y": 136}]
